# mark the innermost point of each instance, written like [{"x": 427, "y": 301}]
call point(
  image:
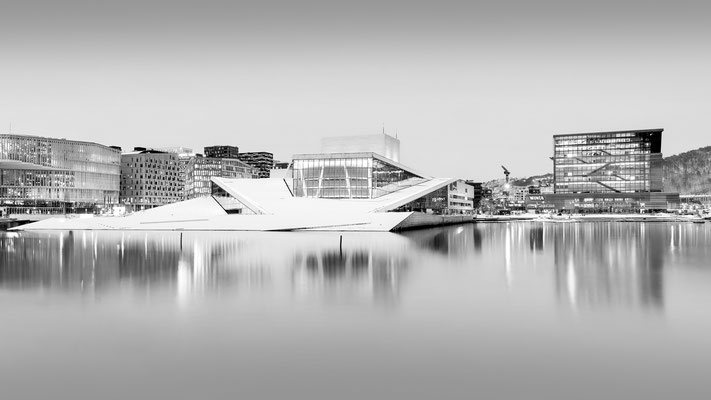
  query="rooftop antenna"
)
[
  {"x": 10, "y": 132},
  {"x": 395, "y": 133},
  {"x": 383, "y": 128}
]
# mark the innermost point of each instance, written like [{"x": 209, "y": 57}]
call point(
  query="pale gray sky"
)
[{"x": 468, "y": 86}]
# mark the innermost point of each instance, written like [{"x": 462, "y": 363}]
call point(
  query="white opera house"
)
[{"x": 355, "y": 190}]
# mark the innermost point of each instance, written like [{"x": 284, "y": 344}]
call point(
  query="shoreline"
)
[{"x": 591, "y": 218}]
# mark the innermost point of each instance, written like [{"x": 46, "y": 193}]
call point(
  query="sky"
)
[{"x": 467, "y": 86}]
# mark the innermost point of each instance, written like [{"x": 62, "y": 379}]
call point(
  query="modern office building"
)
[
  {"x": 618, "y": 171},
  {"x": 200, "y": 170},
  {"x": 149, "y": 178},
  {"x": 222, "y": 151},
  {"x": 40, "y": 175},
  {"x": 261, "y": 160},
  {"x": 383, "y": 144},
  {"x": 185, "y": 154}
]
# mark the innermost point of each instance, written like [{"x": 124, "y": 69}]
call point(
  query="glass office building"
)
[
  {"x": 608, "y": 162},
  {"x": 617, "y": 171},
  {"x": 349, "y": 176},
  {"x": 200, "y": 170},
  {"x": 41, "y": 175}
]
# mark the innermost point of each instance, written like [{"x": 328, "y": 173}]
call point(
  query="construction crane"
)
[{"x": 507, "y": 173}]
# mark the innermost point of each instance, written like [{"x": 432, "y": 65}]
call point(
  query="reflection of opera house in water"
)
[
  {"x": 366, "y": 267},
  {"x": 350, "y": 191}
]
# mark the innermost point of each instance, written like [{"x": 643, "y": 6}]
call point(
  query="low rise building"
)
[{"x": 461, "y": 197}]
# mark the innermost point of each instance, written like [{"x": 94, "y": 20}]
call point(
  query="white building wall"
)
[{"x": 461, "y": 197}]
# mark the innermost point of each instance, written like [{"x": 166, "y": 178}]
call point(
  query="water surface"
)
[{"x": 510, "y": 310}]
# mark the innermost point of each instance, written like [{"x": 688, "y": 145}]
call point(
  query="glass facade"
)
[
  {"x": 44, "y": 175},
  {"x": 432, "y": 203},
  {"x": 608, "y": 162},
  {"x": 349, "y": 176},
  {"x": 200, "y": 170},
  {"x": 228, "y": 203},
  {"x": 455, "y": 198}
]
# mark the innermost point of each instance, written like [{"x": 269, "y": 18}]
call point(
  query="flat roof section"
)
[
  {"x": 13, "y": 135},
  {"x": 655, "y": 130}
]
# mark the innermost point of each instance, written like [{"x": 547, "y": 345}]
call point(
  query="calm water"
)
[{"x": 516, "y": 310}]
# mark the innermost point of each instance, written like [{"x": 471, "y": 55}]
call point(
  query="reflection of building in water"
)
[
  {"x": 535, "y": 238},
  {"x": 54, "y": 261},
  {"x": 188, "y": 265},
  {"x": 139, "y": 262},
  {"x": 211, "y": 264},
  {"x": 349, "y": 274},
  {"x": 610, "y": 265},
  {"x": 450, "y": 240}
]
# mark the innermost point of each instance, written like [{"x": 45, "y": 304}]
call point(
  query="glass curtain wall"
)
[
  {"x": 85, "y": 174},
  {"x": 605, "y": 163},
  {"x": 432, "y": 203},
  {"x": 349, "y": 178}
]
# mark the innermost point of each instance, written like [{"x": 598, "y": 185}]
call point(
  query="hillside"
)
[
  {"x": 497, "y": 184},
  {"x": 689, "y": 172}
]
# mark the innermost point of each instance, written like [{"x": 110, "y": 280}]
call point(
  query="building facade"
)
[
  {"x": 372, "y": 176},
  {"x": 200, "y": 170},
  {"x": 40, "y": 175},
  {"x": 221, "y": 151},
  {"x": 608, "y": 162},
  {"x": 185, "y": 154},
  {"x": 261, "y": 160},
  {"x": 349, "y": 175},
  {"x": 609, "y": 171},
  {"x": 149, "y": 178},
  {"x": 478, "y": 192},
  {"x": 461, "y": 197}
]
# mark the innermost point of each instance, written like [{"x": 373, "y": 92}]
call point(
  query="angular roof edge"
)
[
  {"x": 249, "y": 203},
  {"x": 429, "y": 187}
]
